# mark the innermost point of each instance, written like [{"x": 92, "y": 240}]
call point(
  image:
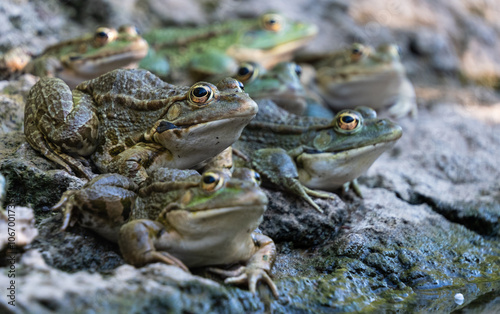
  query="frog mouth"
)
[
  {"x": 330, "y": 170},
  {"x": 192, "y": 144}
]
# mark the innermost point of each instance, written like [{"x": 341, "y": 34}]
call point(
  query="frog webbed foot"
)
[
  {"x": 247, "y": 274},
  {"x": 104, "y": 202},
  {"x": 278, "y": 167},
  {"x": 293, "y": 185}
]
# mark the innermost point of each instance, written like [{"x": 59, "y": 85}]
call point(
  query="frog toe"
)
[
  {"x": 166, "y": 258},
  {"x": 247, "y": 275},
  {"x": 65, "y": 205}
]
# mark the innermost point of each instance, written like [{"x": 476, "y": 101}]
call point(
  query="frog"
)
[
  {"x": 129, "y": 121},
  {"x": 311, "y": 156},
  {"x": 180, "y": 218},
  {"x": 215, "y": 50},
  {"x": 87, "y": 57},
  {"x": 281, "y": 84},
  {"x": 361, "y": 75}
]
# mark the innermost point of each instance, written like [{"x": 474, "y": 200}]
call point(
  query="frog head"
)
[
  {"x": 274, "y": 39},
  {"x": 364, "y": 76},
  {"x": 203, "y": 122},
  {"x": 85, "y": 58},
  {"x": 344, "y": 151},
  {"x": 281, "y": 84},
  {"x": 217, "y": 206}
]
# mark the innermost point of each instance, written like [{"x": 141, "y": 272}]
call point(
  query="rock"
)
[
  {"x": 17, "y": 227},
  {"x": 156, "y": 288},
  {"x": 12, "y": 99},
  {"x": 291, "y": 219},
  {"x": 450, "y": 170},
  {"x": 32, "y": 179},
  {"x": 427, "y": 229}
]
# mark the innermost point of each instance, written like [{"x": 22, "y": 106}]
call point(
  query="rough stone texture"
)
[
  {"x": 429, "y": 219},
  {"x": 23, "y": 220},
  {"x": 32, "y": 179},
  {"x": 12, "y": 97},
  {"x": 288, "y": 218}
]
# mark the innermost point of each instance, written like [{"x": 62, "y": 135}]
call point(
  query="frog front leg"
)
[
  {"x": 257, "y": 268},
  {"x": 278, "y": 167},
  {"x": 135, "y": 162},
  {"x": 103, "y": 205},
  {"x": 61, "y": 125},
  {"x": 143, "y": 241}
]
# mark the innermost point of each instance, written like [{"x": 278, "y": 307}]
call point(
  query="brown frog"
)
[
  {"x": 87, "y": 57},
  {"x": 181, "y": 218},
  {"x": 130, "y": 121}
]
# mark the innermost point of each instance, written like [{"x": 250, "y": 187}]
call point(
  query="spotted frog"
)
[
  {"x": 301, "y": 154},
  {"x": 216, "y": 49},
  {"x": 180, "y": 218},
  {"x": 364, "y": 76},
  {"x": 80, "y": 59},
  {"x": 130, "y": 121}
]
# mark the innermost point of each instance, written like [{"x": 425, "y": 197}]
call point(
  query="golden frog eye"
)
[
  {"x": 104, "y": 35},
  {"x": 211, "y": 181},
  {"x": 200, "y": 94},
  {"x": 348, "y": 121},
  {"x": 247, "y": 71},
  {"x": 272, "y": 22}
]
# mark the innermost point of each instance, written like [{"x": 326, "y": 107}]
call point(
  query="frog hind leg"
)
[
  {"x": 59, "y": 124},
  {"x": 67, "y": 162},
  {"x": 137, "y": 242},
  {"x": 275, "y": 165}
]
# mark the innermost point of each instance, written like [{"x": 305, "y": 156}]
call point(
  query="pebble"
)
[{"x": 459, "y": 298}]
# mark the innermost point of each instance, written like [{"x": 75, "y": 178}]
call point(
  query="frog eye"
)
[
  {"x": 348, "y": 121},
  {"x": 200, "y": 94},
  {"x": 272, "y": 22},
  {"x": 357, "y": 51},
  {"x": 247, "y": 71},
  {"x": 211, "y": 181},
  {"x": 257, "y": 178},
  {"x": 104, "y": 35}
]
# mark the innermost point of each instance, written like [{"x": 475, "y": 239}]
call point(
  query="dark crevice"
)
[{"x": 475, "y": 216}]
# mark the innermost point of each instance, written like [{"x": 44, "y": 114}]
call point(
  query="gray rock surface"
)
[{"x": 427, "y": 228}]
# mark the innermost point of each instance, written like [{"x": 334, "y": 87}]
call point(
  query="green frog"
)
[
  {"x": 364, "y": 76},
  {"x": 180, "y": 218},
  {"x": 281, "y": 84},
  {"x": 301, "y": 154},
  {"x": 80, "y": 59},
  {"x": 130, "y": 122},
  {"x": 216, "y": 50}
]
